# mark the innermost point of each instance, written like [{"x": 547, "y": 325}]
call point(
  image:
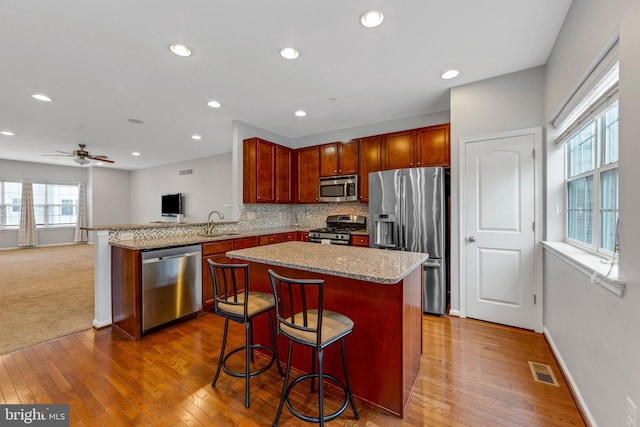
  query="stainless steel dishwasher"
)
[{"x": 171, "y": 284}]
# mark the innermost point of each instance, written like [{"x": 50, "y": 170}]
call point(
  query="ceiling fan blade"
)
[
  {"x": 59, "y": 155},
  {"x": 101, "y": 159},
  {"x": 64, "y": 152}
]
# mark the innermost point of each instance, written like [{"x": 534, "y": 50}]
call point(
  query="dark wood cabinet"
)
[
  {"x": 282, "y": 175},
  {"x": 339, "y": 158},
  {"x": 370, "y": 160},
  {"x": 307, "y": 173},
  {"x": 271, "y": 238},
  {"x": 215, "y": 251},
  {"x": 423, "y": 147},
  {"x": 266, "y": 172},
  {"x": 126, "y": 286},
  {"x": 360, "y": 240},
  {"x": 399, "y": 150},
  {"x": 433, "y": 146}
]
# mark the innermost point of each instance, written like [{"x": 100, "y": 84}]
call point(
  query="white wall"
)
[
  {"x": 509, "y": 102},
  {"x": 208, "y": 188},
  {"x": 109, "y": 195},
  {"x": 594, "y": 330}
]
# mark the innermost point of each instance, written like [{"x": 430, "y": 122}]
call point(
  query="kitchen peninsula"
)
[{"x": 379, "y": 290}]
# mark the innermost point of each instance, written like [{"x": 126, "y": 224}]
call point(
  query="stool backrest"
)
[
  {"x": 294, "y": 299},
  {"x": 230, "y": 284}
]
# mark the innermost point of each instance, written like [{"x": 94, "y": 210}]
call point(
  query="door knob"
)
[{"x": 471, "y": 239}]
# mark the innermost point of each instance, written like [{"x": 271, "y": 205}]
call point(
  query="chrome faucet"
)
[{"x": 210, "y": 224}]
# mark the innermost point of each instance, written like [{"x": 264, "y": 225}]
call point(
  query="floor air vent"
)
[{"x": 543, "y": 374}]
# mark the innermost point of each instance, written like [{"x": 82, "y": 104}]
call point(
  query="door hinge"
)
[
  {"x": 534, "y": 299},
  {"x": 533, "y": 153},
  {"x": 533, "y": 226}
]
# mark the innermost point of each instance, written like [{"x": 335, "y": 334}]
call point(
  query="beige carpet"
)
[{"x": 45, "y": 293}]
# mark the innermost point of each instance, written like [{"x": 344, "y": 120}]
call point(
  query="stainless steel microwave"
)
[{"x": 338, "y": 188}]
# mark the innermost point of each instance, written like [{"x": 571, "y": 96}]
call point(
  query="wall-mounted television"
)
[{"x": 172, "y": 204}]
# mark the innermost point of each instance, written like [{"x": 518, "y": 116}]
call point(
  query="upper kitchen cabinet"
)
[
  {"x": 339, "y": 158},
  {"x": 307, "y": 173},
  {"x": 399, "y": 150},
  {"x": 370, "y": 160},
  {"x": 423, "y": 147},
  {"x": 433, "y": 146},
  {"x": 266, "y": 172}
]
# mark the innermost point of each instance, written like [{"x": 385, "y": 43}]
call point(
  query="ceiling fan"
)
[{"x": 82, "y": 156}]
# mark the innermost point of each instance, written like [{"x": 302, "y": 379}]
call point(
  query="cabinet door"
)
[
  {"x": 399, "y": 150},
  {"x": 215, "y": 251},
  {"x": 303, "y": 236},
  {"x": 308, "y": 167},
  {"x": 329, "y": 159},
  {"x": 265, "y": 168},
  {"x": 348, "y": 158},
  {"x": 370, "y": 152},
  {"x": 283, "y": 174},
  {"x": 433, "y": 146}
]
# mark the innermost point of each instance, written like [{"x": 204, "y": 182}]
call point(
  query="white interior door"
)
[{"x": 500, "y": 238}]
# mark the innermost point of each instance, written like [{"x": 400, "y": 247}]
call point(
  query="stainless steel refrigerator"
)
[{"x": 407, "y": 212}]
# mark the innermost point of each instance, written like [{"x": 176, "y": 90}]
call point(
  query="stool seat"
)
[
  {"x": 257, "y": 303},
  {"x": 334, "y": 326}
]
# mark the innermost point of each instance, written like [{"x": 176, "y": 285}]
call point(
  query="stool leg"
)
[
  {"x": 274, "y": 346},
  {"x": 284, "y": 385},
  {"x": 249, "y": 356},
  {"x": 224, "y": 344},
  {"x": 313, "y": 369},
  {"x": 346, "y": 379},
  {"x": 320, "y": 389}
]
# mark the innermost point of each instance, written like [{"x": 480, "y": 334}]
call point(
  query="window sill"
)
[{"x": 589, "y": 264}]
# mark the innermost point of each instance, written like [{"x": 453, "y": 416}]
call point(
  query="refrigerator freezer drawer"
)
[{"x": 434, "y": 287}]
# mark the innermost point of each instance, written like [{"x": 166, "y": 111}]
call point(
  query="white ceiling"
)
[{"x": 104, "y": 62}]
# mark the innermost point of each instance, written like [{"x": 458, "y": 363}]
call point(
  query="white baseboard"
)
[
  {"x": 454, "y": 313},
  {"x": 573, "y": 388},
  {"x": 102, "y": 324}
]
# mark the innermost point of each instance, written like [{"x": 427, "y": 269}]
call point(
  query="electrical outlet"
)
[
  {"x": 126, "y": 236},
  {"x": 631, "y": 417},
  {"x": 251, "y": 215}
]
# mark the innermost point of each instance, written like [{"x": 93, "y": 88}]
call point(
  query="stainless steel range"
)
[{"x": 338, "y": 229}]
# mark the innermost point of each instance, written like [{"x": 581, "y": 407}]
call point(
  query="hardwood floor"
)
[{"x": 472, "y": 374}]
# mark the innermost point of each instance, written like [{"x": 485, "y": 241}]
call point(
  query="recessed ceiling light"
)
[
  {"x": 196, "y": 137},
  {"x": 135, "y": 153},
  {"x": 41, "y": 97},
  {"x": 7, "y": 133},
  {"x": 99, "y": 163},
  {"x": 180, "y": 50},
  {"x": 371, "y": 18},
  {"x": 450, "y": 74},
  {"x": 213, "y": 104},
  {"x": 300, "y": 113},
  {"x": 289, "y": 53}
]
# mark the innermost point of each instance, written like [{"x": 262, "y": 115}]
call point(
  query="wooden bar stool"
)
[
  {"x": 234, "y": 300},
  {"x": 301, "y": 318}
]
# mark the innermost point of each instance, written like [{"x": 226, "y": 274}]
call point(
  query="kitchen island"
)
[{"x": 379, "y": 290}]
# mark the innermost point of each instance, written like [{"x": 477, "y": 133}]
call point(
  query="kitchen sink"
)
[{"x": 221, "y": 234}]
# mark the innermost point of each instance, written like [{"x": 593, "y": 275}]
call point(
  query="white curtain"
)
[
  {"x": 27, "y": 235},
  {"x": 81, "y": 235}
]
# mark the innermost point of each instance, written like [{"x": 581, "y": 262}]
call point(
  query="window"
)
[
  {"x": 53, "y": 204},
  {"x": 592, "y": 181}
]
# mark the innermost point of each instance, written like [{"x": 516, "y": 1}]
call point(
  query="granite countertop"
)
[
  {"x": 155, "y": 224},
  {"x": 372, "y": 265},
  {"x": 184, "y": 240}
]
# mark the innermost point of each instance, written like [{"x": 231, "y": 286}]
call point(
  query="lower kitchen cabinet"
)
[
  {"x": 359, "y": 240},
  {"x": 125, "y": 292},
  {"x": 212, "y": 251}
]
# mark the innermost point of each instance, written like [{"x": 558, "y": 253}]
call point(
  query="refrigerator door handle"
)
[
  {"x": 403, "y": 213},
  {"x": 432, "y": 263}
]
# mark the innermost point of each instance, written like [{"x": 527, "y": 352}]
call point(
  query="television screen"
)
[{"x": 171, "y": 204}]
